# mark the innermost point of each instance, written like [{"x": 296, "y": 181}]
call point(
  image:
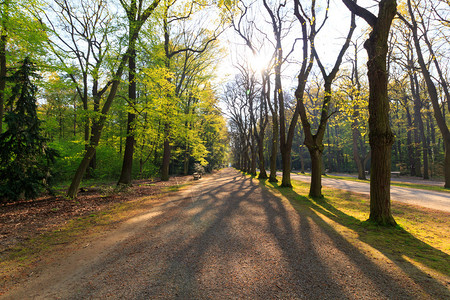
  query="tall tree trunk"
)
[
  {"x": 381, "y": 137},
  {"x": 3, "y": 41},
  {"x": 263, "y": 117},
  {"x": 262, "y": 167},
  {"x": 86, "y": 121},
  {"x": 286, "y": 166},
  {"x": 186, "y": 160},
  {"x": 409, "y": 142},
  {"x": 75, "y": 115},
  {"x": 166, "y": 154},
  {"x": 274, "y": 153},
  {"x": 127, "y": 165},
  {"x": 253, "y": 161},
  {"x": 315, "y": 189},
  {"x": 417, "y": 123}
]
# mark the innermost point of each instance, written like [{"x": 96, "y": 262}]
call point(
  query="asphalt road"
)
[{"x": 425, "y": 198}]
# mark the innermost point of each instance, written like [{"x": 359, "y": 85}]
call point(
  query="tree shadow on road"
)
[{"x": 397, "y": 244}]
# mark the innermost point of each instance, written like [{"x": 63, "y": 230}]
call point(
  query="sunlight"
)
[{"x": 259, "y": 62}]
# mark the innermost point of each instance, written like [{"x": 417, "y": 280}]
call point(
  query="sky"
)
[{"x": 328, "y": 41}]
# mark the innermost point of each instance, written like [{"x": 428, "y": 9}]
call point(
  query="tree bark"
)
[
  {"x": 409, "y": 142},
  {"x": 381, "y": 137},
  {"x": 253, "y": 163},
  {"x": 3, "y": 41},
  {"x": 418, "y": 124},
  {"x": 186, "y": 160},
  {"x": 166, "y": 154},
  {"x": 127, "y": 165},
  {"x": 315, "y": 189},
  {"x": 263, "y": 120},
  {"x": 274, "y": 152}
]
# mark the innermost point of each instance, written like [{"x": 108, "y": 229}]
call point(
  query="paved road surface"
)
[
  {"x": 425, "y": 198},
  {"x": 226, "y": 237}
]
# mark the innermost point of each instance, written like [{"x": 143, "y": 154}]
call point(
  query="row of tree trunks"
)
[
  {"x": 432, "y": 91},
  {"x": 98, "y": 124}
]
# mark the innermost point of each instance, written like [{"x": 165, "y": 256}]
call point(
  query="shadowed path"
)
[{"x": 225, "y": 237}]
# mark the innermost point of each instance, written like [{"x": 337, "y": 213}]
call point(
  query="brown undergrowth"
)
[{"x": 29, "y": 229}]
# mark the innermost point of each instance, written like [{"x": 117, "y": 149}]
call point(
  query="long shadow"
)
[
  {"x": 174, "y": 274},
  {"x": 310, "y": 275},
  {"x": 188, "y": 260},
  {"x": 399, "y": 242},
  {"x": 166, "y": 263}
]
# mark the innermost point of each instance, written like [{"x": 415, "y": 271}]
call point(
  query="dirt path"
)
[{"x": 224, "y": 238}]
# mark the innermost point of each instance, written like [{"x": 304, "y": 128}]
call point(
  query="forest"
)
[
  {"x": 112, "y": 91},
  {"x": 119, "y": 90},
  {"x": 330, "y": 116}
]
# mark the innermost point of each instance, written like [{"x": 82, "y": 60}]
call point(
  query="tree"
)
[
  {"x": 133, "y": 15},
  {"x": 381, "y": 137},
  {"x": 432, "y": 90},
  {"x": 20, "y": 32},
  {"x": 358, "y": 118},
  {"x": 258, "y": 126},
  {"x": 3, "y": 41},
  {"x": 286, "y": 128},
  {"x": 171, "y": 14},
  {"x": 98, "y": 124},
  {"x": 79, "y": 33},
  {"x": 314, "y": 142},
  {"x": 25, "y": 159}
]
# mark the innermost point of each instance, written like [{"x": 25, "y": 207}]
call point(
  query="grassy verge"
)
[
  {"x": 19, "y": 258},
  {"x": 421, "y": 239},
  {"x": 394, "y": 183}
]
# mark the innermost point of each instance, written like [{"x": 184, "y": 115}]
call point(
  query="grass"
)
[
  {"x": 394, "y": 183},
  {"x": 25, "y": 254},
  {"x": 421, "y": 240}
]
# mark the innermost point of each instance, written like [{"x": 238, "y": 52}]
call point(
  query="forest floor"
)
[
  {"x": 29, "y": 227},
  {"x": 229, "y": 237}
]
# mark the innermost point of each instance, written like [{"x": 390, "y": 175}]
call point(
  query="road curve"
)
[{"x": 425, "y": 198}]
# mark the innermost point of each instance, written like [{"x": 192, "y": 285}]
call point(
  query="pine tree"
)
[{"x": 25, "y": 159}]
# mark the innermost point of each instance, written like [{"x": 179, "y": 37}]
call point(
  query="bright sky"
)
[{"x": 328, "y": 41}]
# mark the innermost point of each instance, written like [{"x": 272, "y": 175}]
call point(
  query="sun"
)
[{"x": 259, "y": 62}]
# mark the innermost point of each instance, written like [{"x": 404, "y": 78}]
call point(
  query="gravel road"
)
[
  {"x": 225, "y": 237},
  {"x": 425, "y": 198}
]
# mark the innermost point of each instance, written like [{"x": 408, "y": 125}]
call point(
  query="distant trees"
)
[
  {"x": 399, "y": 105},
  {"x": 425, "y": 67}
]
